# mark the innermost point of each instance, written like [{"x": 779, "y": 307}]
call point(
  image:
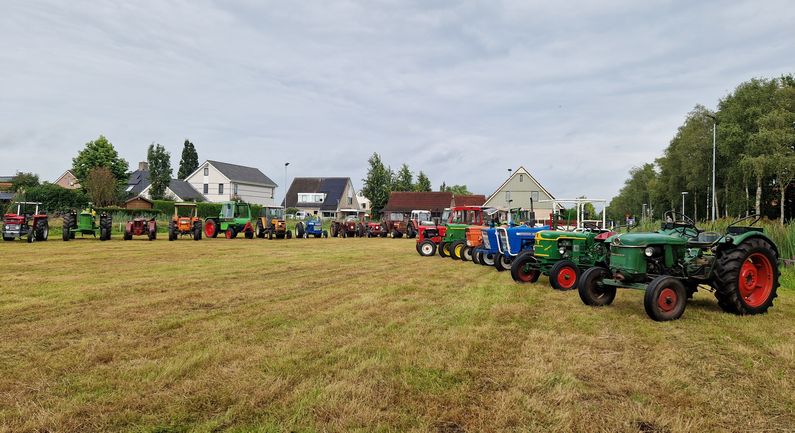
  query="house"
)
[
  {"x": 68, "y": 180},
  {"x": 518, "y": 190},
  {"x": 6, "y": 183},
  {"x": 139, "y": 184},
  {"x": 405, "y": 202},
  {"x": 364, "y": 202},
  {"x": 221, "y": 181},
  {"x": 178, "y": 190},
  {"x": 329, "y": 197}
]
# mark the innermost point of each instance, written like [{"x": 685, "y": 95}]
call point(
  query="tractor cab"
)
[{"x": 271, "y": 223}]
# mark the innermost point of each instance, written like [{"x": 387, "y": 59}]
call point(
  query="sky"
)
[{"x": 578, "y": 93}]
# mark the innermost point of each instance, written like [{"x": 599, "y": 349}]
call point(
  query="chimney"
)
[{"x": 143, "y": 166}]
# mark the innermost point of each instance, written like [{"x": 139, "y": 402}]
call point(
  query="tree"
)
[
  {"x": 56, "y": 198},
  {"x": 159, "y": 170},
  {"x": 443, "y": 187},
  {"x": 23, "y": 181},
  {"x": 588, "y": 209},
  {"x": 456, "y": 189},
  {"x": 404, "y": 180},
  {"x": 99, "y": 153},
  {"x": 423, "y": 183},
  {"x": 378, "y": 183},
  {"x": 189, "y": 162},
  {"x": 102, "y": 186}
]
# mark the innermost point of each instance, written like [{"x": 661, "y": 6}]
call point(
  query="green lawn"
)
[{"x": 362, "y": 335}]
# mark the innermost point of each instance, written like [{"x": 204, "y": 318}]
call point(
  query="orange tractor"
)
[{"x": 190, "y": 225}]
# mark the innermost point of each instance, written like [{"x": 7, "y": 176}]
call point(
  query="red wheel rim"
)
[
  {"x": 229, "y": 234},
  {"x": 756, "y": 280},
  {"x": 525, "y": 273},
  {"x": 567, "y": 277},
  {"x": 667, "y": 300},
  {"x": 209, "y": 228}
]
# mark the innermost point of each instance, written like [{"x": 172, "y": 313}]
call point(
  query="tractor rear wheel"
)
[
  {"x": 67, "y": 226},
  {"x": 325, "y": 234},
  {"x": 270, "y": 235},
  {"x": 455, "y": 249},
  {"x": 42, "y": 230},
  {"x": 288, "y": 234},
  {"x": 197, "y": 231},
  {"x": 502, "y": 262},
  {"x": 466, "y": 253},
  {"x": 248, "y": 233},
  {"x": 564, "y": 275},
  {"x": 665, "y": 298},
  {"x": 747, "y": 277},
  {"x": 524, "y": 268},
  {"x": 591, "y": 289},
  {"x": 105, "y": 227},
  {"x": 299, "y": 229},
  {"x": 260, "y": 229},
  {"x": 172, "y": 231},
  {"x": 211, "y": 228},
  {"x": 127, "y": 235},
  {"x": 426, "y": 248},
  {"x": 444, "y": 249},
  {"x": 487, "y": 259}
]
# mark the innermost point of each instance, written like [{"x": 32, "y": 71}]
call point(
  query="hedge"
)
[{"x": 55, "y": 198}]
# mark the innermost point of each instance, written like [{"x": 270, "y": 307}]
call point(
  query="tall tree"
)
[
  {"x": 23, "y": 181},
  {"x": 378, "y": 183},
  {"x": 404, "y": 179},
  {"x": 459, "y": 190},
  {"x": 159, "y": 170},
  {"x": 99, "y": 153},
  {"x": 190, "y": 160},
  {"x": 423, "y": 183},
  {"x": 443, "y": 187},
  {"x": 101, "y": 186}
]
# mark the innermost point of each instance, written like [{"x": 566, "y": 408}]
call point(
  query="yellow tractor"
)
[{"x": 271, "y": 224}]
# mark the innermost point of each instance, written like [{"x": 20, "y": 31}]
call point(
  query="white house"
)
[
  {"x": 221, "y": 181},
  {"x": 517, "y": 191}
]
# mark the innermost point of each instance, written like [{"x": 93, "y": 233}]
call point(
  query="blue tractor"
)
[
  {"x": 310, "y": 227},
  {"x": 502, "y": 243}
]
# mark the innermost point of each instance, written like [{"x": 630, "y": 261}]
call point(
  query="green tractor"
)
[
  {"x": 740, "y": 266},
  {"x": 562, "y": 256},
  {"x": 455, "y": 235},
  {"x": 235, "y": 217},
  {"x": 86, "y": 222}
]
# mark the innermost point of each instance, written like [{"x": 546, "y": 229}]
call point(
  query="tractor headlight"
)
[
  {"x": 652, "y": 251},
  {"x": 562, "y": 250}
]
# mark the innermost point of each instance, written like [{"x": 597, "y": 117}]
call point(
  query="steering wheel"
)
[{"x": 680, "y": 222}]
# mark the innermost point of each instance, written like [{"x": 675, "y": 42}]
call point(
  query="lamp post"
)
[
  {"x": 508, "y": 199},
  {"x": 284, "y": 206},
  {"x": 714, "y": 140},
  {"x": 684, "y": 193}
]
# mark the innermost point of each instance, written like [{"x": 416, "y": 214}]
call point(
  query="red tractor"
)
[
  {"x": 34, "y": 225},
  {"x": 395, "y": 224},
  {"x": 432, "y": 232},
  {"x": 350, "y": 226},
  {"x": 141, "y": 227},
  {"x": 375, "y": 229}
]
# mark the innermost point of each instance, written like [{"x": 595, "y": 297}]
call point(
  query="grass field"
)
[{"x": 362, "y": 335}]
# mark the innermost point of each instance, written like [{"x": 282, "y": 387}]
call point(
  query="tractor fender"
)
[
  {"x": 248, "y": 227},
  {"x": 128, "y": 226},
  {"x": 152, "y": 225},
  {"x": 730, "y": 241}
]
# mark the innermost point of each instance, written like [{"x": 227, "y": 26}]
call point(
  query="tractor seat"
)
[{"x": 704, "y": 240}]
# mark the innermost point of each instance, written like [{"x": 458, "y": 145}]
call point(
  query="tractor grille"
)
[
  {"x": 486, "y": 242},
  {"x": 502, "y": 239}
]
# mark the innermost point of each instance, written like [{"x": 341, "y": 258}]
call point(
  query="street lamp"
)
[
  {"x": 284, "y": 206},
  {"x": 684, "y": 193},
  {"x": 508, "y": 199},
  {"x": 714, "y": 139}
]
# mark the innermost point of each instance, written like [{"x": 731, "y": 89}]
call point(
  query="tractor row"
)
[{"x": 740, "y": 266}]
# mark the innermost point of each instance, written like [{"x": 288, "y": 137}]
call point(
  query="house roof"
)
[
  {"x": 240, "y": 173},
  {"x": 409, "y": 201},
  {"x": 521, "y": 170},
  {"x": 470, "y": 200},
  {"x": 138, "y": 180},
  {"x": 138, "y": 198},
  {"x": 333, "y": 187},
  {"x": 184, "y": 191},
  {"x": 6, "y": 179},
  {"x": 6, "y": 195}
]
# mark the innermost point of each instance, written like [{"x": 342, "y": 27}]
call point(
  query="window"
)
[
  {"x": 234, "y": 186},
  {"x": 305, "y": 197},
  {"x": 206, "y": 188},
  {"x": 521, "y": 178},
  {"x": 507, "y": 196},
  {"x": 220, "y": 188},
  {"x": 534, "y": 196},
  {"x": 206, "y": 171},
  {"x": 350, "y": 200}
]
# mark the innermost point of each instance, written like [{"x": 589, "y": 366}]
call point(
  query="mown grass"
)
[{"x": 362, "y": 335}]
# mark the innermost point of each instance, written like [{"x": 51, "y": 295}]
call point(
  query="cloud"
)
[{"x": 577, "y": 93}]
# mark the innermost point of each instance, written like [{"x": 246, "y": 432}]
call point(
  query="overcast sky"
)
[{"x": 578, "y": 93}]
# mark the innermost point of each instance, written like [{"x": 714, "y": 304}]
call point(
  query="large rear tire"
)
[
  {"x": 105, "y": 227},
  {"x": 747, "y": 277},
  {"x": 211, "y": 228},
  {"x": 172, "y": 231},
  {"x": 564, "y": 275},
  {"x": 592, "y": 291},
  {"x": 665, "y": 298},
  {"x": 197, "y": 231},
  {"x": 68, "y": 221},
  {"x": 260, "y": 229},
  {"x": 299, "y": 229},
  {"x": 524, "y": 268}
]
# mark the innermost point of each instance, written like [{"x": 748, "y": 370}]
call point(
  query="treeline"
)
[
  {"x": 103, "y": 175},
  {"x": 381, "y": 180},
  {"x": 755, "y": 159}
]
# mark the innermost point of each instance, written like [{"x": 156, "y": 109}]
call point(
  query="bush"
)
[
  {"x": 55, "y": 197},
  {"x": 207, "y": 210},
  {"x": 164, "y": 206}
]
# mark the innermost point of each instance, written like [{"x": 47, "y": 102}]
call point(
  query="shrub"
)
[{"x": 56, "y": 198}]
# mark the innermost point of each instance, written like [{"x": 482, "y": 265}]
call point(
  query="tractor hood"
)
[
  {"x": 13, "y": 219},
  {"x": 553, "y": 235},
  {"x": 646, "y": 239}
]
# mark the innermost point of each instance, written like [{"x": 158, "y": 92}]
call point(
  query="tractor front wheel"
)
[
  {"x": 665, "y": 298},
  {"x": 231, "y": 233},
  {"x": 466, "y": 253},
  {"x": 426, "y": 248},
  {"x": 747, "y": 277},
  {"x": 591, "y": 289},
  {"x": 456, "y": 249},
  {"x": 487, "y": 259},
  {"x": 524, "y": 269},
  {"x": 444, "y": 249},
  {"x": 502, "y": 262},
  {"x": 476, "y": 254},
  {"x": 564, "y": 275}
]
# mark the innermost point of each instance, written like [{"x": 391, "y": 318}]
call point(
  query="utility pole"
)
[
  {"x": 684, "y": 193},
  {"x": 284, "y": 206}
]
